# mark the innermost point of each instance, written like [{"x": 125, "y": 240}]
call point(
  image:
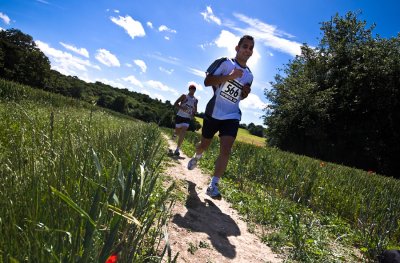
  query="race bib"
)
[
  {"x": 231, "y": 91},
  {"x": 188, "y": 109}
]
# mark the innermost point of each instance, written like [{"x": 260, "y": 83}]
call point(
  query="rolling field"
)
[
  {"x": 243, "y": 136},
  {"x": 80, "y": 183}
]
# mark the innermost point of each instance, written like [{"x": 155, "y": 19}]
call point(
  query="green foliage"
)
[
  {"x": 257, "y": 130},
  {"x": 314, "y": 203},
  {"x": 21, "y": 60},
  {"x": 340, "y": 101},
  {"x": 78, "y": 184},
  {"x": 120, "y": 104}
]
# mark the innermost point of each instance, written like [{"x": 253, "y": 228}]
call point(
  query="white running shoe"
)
[
  {"x": 213, "y": 192},
  {"x": 192, "y": 163}
]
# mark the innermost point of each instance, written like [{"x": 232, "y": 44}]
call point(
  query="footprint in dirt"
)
[{"x": 206, "y": 217}]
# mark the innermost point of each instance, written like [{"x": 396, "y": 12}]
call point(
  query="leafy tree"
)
[
  {"x": 340, "y": 101},
  {"x": 120, "y": 104},
  {"x": 257, "y": 130},
  {"x": 21, "y": 60},
  {"x": 105, "y": 101},
  {"x": 243, "y": 126}
]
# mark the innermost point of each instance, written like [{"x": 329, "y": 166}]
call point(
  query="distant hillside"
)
[{"x": 23, "y": 62}]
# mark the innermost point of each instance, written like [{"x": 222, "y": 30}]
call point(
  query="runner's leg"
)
[
  {"x": 226, "y": 143},
  {"x": 181, "y": 135},
  {"x": 202, "y": 145}
]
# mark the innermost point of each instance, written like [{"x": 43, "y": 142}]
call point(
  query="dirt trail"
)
[{"x": 207, "y": 230}]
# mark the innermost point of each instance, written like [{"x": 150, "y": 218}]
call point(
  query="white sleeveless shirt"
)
[{"x": 188, "y": 105}]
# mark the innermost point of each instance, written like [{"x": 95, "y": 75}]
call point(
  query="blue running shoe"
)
[
  {"x": 192, "y": 163},
  {"x": 213, "y": 192}
]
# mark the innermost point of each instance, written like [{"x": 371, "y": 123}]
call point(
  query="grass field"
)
[
  {"x": 243, "y": 136},
  {"x": 320, "y": 212},
  {"x": 78, "y": 184}
]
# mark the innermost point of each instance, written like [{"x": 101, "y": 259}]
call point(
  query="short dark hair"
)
[
  {"x": 192, "y": 87},
  {"x": 245, "y": 37}
]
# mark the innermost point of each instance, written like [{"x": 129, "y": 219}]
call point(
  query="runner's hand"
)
[
  {"x": 236, "y": 73},
  {"x": 245, "y": 91}
]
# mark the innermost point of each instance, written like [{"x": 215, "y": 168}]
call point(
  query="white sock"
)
[
  {"x": 197, "y": 156},
  {"x": 214, "y": 180}
]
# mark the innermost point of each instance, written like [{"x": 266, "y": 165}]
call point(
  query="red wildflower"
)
[{"x": 112, "y": 259}]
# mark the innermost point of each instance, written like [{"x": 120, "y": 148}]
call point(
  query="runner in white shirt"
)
[
  {"x": 231, "y": 80},
  {"x": 187, "y": 107}
]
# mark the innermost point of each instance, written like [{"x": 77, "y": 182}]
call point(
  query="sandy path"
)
[{"x": 207, "y": 230}]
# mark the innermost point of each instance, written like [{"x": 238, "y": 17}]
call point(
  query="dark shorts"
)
[
  {"x": 225, "y": 127},
  {"x": 181, "y": 121}
]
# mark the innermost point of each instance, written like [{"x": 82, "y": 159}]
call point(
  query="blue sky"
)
[{"x": 159, "y": 47}]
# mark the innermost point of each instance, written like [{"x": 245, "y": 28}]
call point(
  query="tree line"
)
[
  {"x": 340, "y": 101},
  {"x": 22, "y": 61}
]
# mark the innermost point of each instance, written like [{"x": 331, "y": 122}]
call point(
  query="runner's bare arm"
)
[
  {"x": 212, "y": 80},
  {"x": 178, "y": 101},
  {"x": 245, "y": 91},
  {"x": 194, "y": 109}
]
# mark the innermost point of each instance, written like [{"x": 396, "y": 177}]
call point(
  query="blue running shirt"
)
[{"x": 224, "y": 105}]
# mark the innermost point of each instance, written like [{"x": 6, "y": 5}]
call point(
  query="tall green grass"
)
[
  {"x": 369, "y": 203},
  {"x": 77, "y": 184}
]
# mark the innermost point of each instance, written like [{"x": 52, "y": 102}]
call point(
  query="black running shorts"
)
[
  {"x": 179, "y": 120},
  {"x": 225, "y": 127}
]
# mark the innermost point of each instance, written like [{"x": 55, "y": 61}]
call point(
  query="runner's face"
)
[
  {"x": 192, "y": 91},
  {"x": 245, "y": 50}
]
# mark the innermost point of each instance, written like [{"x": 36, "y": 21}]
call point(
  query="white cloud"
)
[
  {"x": 204, "y": 46},
  {"x": 145, "y": 92},
  {"x": 149, "y": 24},
  {"x": 5, "y": 18},
  {"x": 129, "y": 65},
  {"x": 169, "y": 72},
  {"x": 1, "y": 29},
  {"x": 165, "y": 28},
  {"x": 166, "y": 38},
  {"x": 116, "y": 11},
  {"x": 197, "y": 72},
  {"x": 80, "y": 51},
  {"x": 229, "y": 41},
  {"x": 169, "y": 60},
  {"x": 141, "y": 64},
  {"x": 210, "y": 17},
  {"x": 132, "y": 27},
  {"x": 105, "y": 57},
  {"x": 269, "y": 35},
  {"x": 159, "y": 96},
  {"x": 253, "y": 102},
  {"x": 65, "y": 62},
  {"x": 112, "y": 83},
  {"x": 160, "y": 86},
  {"x": 133, "y": 80},
  {"x": 43, "y": 2}
]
